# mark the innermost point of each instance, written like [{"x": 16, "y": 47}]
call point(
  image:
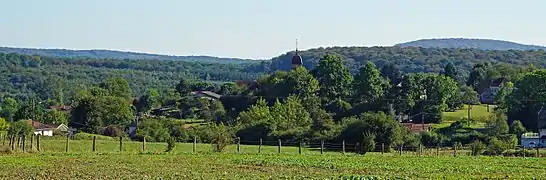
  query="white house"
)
[{"x": 47, "y": 129}]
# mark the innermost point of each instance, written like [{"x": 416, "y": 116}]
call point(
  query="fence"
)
[{"x": 258, "y": 146}]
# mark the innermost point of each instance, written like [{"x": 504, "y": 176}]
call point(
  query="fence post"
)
[
  {"x": 343, "y": 146},
  {"x": 382, "y": 148},
  {"x": 538, "y": 153},
  {"x": 38, "y": 142},
  {"x": 4, "y": 139},
  {"x": 120, "y": 144},
  {"x": 321, "y": 146},
  {"x": 523, "y": 147},
  {"x": 454, "y": 150},
  {"x": 437, "y": 150},
  {"x": 299, "y": 148},
  {"x": 194, "y": 144},
  {"x": 260, "y": 146},
  {"x": 279, "y": 148},
  {"x": 31, "y": 142},
  {"x": 12, "y": 140},
  {"x": 94, "y": 140},
  {"x": 419, "y": 150},
  {"x": 66, "y": 145},
  {"x": 400, "y": 151},
  {"x": 144, "y": 144},
  {"x": 238, "y": 144},
  {"x": 23, "y": 143}
]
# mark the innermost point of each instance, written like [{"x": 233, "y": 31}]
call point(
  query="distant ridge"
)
[
  {"x": 463, "y": 43},
  {"x": 111, "y": 54}
]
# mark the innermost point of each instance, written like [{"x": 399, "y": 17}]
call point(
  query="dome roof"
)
[{"x": 296, "y": 59}]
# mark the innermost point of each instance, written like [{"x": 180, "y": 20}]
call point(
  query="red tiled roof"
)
[
  {"x": 417, "y": 127},
  {"x": 38, "y": 125},
  {"x": 60, "y": 107}
]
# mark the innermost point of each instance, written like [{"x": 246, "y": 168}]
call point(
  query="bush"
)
[
  {"x": 368, "y": 142},
  {"x": 431, "y": 139},
  {"x": 154, "y": 130},
  {"x": 5, "y": 150},
  {"x": 112, "y": 131},
  {"x": 171, "y": 143},
  {"x": 221, "y": 139},
  {"x": 496, "y": 147},
  {"x": 20, "y": 128},
  {"x": 477, "y": 147}
]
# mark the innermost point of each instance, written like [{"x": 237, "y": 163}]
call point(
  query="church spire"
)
[{"x": 296, "y": 59}]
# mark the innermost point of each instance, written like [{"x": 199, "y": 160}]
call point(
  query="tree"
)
[
  {"x": 29, "y": 110},
  {"x": 183, "y": 87},
  {"x": 4, "y": 125},
  {"x": 368, "y": 142},
  {"x": 8, "y": 108},
  {"x": 117, "y": 87},
  {"x": 154, "y": 130},
  {"x": 517, "y": 128},
  {"x": 369, "y": 86},
  {"x": 385, "y": 128},
  {"x": 148, "y": 101},
  {"x": 431, "y": 91},
  {"x": 20, "y": 128},
  {"x": 55, "y": 117},
  {"x": 451, "y": 71},
  {"x": 498, "y": 124},
  {"x": 334, "y": 78},
  {"x": 527, "y": 98},
  {"x": 290, "y": 119},
  {"x": 470, "y": 98},
  {"x": 281, "y": 84},
  {"x": 479, "y": 79}
]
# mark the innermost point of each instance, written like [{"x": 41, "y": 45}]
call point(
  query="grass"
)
[
  {"x": 108, "y": 163},
  {"x": 478, "y": 113}
]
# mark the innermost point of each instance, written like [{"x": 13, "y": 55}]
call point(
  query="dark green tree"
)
[
  {"x": 451, "y": 71},
  {"x": 370, "y": 88},
  {"x": 8, "y": 108},
  {"x": 118, "y": 87},
  {"x": 334, "y": 78}
]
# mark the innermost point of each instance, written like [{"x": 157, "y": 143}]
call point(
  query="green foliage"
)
[
  {"x": 222, "y": 138},
  {"x": 154, "y": 130},
  {"x": 517, "y": 128},
  {"x": 431, "y": 139},
  {"x": 112, "y": 131},
  {"x": 498, "y": 124},
  {"x": 117, "y": 87},
  {"x": 148, "y": 101},
  {"x": 87, "y": 136},
  {"x": 334, "y": 78},
  {"x": 290, "y": 119},
  {"x": 496, "y": 147},
  {"x": 55, "y": 117},
  {"x": 4, "y": 125},
  {"x": 477, "y": 147},
  {"x": 526, "y": 100},
  {"x": 386, "y": 129},
  {"x": 8, "y": 108},
  {"x": 171, "y": 143},
  {"x": 369, "y": 85},
  {"x": 368, "y": 142},
  {"x": 451, "y": 71},
  {"x": 20, "y": 128}
]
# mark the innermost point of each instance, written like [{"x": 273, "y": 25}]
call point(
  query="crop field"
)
[{"x": 52, "y": 162}]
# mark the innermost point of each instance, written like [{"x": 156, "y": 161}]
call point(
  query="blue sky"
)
[{"x": 260, "y": 28}]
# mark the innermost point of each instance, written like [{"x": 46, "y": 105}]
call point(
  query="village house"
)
[
  {"x": 532, "y": 140},
  {"x": 47, "y": 129},
  {"x": 488, "y": 95}
]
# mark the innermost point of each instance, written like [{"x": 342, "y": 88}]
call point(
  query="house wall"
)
[
  {"x": 44, "y": 132},
  {"x": 527, "y": 142}
]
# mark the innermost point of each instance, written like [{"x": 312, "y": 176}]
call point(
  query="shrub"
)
[
  {"x": 368, "y": 143},
  {"x": 221, "y": 139},
  {"x": 171, "y": 143},
  {"x": 5, "y": 150},
  {"x": 112, "y": 131},
  {"x": 477, "y": 147},
  {"x": 154, "y": 130},
  {"x": 496, "y": 147},
  {"x": 20, "y": 128}
]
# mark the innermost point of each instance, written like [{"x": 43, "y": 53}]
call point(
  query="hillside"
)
[
  {"x": 109, "y": 54},
  {"x": 483, "y": 44},
  {"x": 414, "y": 59}
]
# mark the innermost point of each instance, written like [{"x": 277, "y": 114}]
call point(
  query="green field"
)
[
  {"x": 108, "y": 163},
  {"x": 478, "y": 113}
]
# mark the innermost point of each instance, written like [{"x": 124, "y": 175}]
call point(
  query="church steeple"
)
[{"x": 296, "y": 59}]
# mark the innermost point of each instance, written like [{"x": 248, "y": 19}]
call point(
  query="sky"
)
[{"x": 260, "y": 29}]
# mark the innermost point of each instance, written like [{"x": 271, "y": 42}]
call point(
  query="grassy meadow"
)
[
  {"x": 478, "y": 113},
  {"x": 52, "y": 162}
]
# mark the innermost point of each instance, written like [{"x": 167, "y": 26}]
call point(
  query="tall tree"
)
[
  {"x": 8, "y": 108},
  {"x": 451, "y": 71},
  {"x": 184, "y": 87},
  {"x": 118, "y": 87},
  {"x": 148, "y": 101},
  {"x": 527, "y": 100},
  {"x": 334, "y": 78},
  {"x": 369, "y": 86}
]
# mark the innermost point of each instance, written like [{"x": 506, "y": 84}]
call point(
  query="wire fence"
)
[{"x": 33, "y": 143}]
